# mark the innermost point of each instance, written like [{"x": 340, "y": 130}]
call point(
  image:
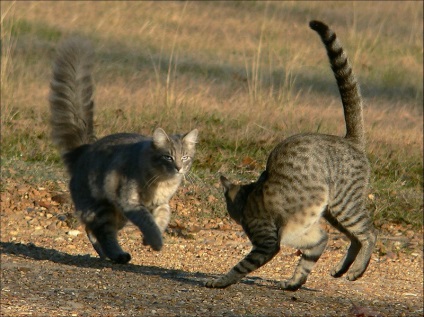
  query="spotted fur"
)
[{"x": 309, "y": 177}]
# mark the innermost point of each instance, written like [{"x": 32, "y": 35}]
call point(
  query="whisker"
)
[
  {"x": 151, "y": 181},
  {"x": 195, "y": 180}
]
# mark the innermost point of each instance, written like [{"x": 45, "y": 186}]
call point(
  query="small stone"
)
[
  {"x": 73, "y": 233},
  {"x": 60, "y": 198},
  {"x": 33, "y": 222},
  {"x": 51, "y": 226}
]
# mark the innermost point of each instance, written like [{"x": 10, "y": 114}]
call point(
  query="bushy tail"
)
[
  {"x": 71, "y": 91},
  {"x": 346, "y": 81}
]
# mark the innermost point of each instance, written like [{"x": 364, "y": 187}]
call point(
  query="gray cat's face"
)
[{"x": 173, "y": 154}]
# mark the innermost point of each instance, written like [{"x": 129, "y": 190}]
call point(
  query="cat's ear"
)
[
  {"x": 190, "y": 139},
  {"x": 160, "y": 138},
  {"x": 226, "y": 184}
]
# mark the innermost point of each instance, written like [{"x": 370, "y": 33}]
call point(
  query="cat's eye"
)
[
  {"x": 168, "y": 158},
  {"x": 185, "y": 158}
]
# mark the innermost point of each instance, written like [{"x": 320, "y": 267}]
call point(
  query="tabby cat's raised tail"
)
[
  {"x": 346, "y": 81},
  {"x": 71, "y": 91}
]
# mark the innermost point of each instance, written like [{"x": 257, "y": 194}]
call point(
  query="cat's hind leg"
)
[
  {"x": 312, "y": 244},
  {"x": 95, "y": 244},
  {"x": 358, "y": 228},
  {"x": 266, "y": 245},
  {"x": 367, "y": 239},
  {"x": 343, "y": 266},
  {"x": 102, "y": 226}
]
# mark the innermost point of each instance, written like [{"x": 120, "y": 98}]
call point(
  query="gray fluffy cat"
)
[
  {"x": 307, "y": 177},
  {"x": 121, "y": 176}
]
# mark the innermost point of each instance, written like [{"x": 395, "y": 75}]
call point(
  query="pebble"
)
[
  {"x": 33, "y": 221},
  {"x": 73, "y": 233},
  {"x": 51, "y": 226}
]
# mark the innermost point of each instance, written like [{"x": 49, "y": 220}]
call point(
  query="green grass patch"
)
[
  {"x": 246, "y": 74},
  {"x": 42, "y": 31},
  {"x": 397, "y": 189}
]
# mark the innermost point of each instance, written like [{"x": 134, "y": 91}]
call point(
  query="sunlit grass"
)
[{"x": 247, "y": 74}]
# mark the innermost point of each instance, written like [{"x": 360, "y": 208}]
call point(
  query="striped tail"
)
[
  {"x": 71, "y": 91},
  {"x": 346, "y": 81}
]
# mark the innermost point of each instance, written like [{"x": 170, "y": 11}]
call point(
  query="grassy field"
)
[{"x": 247, "y": 74}]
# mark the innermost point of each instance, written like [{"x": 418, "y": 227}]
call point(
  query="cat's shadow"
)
[{"x": 40, "y": 253}]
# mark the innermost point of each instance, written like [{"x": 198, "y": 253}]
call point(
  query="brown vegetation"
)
[{"x": 247, "y": 74}]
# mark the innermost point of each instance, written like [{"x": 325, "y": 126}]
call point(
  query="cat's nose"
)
[{"x": 179, "y": 168}]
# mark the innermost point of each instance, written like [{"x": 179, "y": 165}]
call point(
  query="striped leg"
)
[
  {"x": 352, "y": 252},
  {"x": 363, "y": 258},
  {"x": 261, "y": 253},
  {"x": 364, "y": 232},
  {"x": 312, "y": 244},
  {"x": 358, "y": 228}
]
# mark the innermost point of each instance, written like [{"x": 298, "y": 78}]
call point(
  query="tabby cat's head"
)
[
  {"x": 173, "y": 155},
  {"x": 235, "y": 197}
]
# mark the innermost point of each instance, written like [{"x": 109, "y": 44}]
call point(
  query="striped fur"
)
[
  {"x": 307, "y": 177},
  {"x": 119, "y": 177}
]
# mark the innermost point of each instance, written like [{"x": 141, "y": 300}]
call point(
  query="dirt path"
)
[{"x": 48, "y": 268}]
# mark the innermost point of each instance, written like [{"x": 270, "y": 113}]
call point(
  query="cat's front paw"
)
[
  {"x": 155, "y": 243},
  {"x": 217, "y": 283}
]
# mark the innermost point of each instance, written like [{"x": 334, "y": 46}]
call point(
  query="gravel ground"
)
[{"x": 48, "y": 268}]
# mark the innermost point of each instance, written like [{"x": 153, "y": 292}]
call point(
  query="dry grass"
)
[{"x": 247, "y": 74}]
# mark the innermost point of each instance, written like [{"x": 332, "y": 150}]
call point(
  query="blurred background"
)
[{"x": 246, "y": 74}]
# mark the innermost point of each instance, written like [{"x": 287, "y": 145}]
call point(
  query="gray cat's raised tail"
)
[
  {"x": 71, "y": 91},
  {"x": 346, "y": 81}
]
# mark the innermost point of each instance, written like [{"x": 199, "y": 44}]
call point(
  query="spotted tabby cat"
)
[
  {"x": 121, "y": 176},
  {"x": 309, "y": 176}
]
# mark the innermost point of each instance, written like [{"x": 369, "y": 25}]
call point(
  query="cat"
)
[
  {"x": 307, "y": 177},
  {"x": 120, "y": 177}
]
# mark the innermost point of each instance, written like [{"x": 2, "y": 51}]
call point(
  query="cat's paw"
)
[
  {"x": 217, "y": 283},
  {"x": 336, "y": 272},
  {"x": 155, "y": 243},
  {"x": 354, "y": 275},
  {"x": 289, "y": 286},
  {"x": 122, "y": 258}
]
